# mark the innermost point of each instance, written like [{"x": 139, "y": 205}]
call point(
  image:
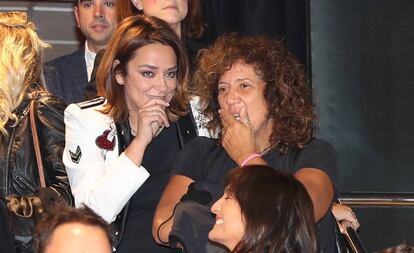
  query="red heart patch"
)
[{"x": 103, "y": 141}]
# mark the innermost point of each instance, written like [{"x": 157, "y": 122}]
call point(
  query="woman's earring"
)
[
  {"x": 119, "y": 80},
  {"x": 137, "y": 4}
]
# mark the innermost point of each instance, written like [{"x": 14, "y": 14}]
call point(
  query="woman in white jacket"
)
[{"x": 121, "y": 149}]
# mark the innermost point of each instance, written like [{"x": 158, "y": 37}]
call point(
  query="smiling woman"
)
[
  {"x": 264, "y": 210},
  {"x": 113, "y": 145}
]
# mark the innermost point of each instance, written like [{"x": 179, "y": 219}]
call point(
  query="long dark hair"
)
[{"x": 276, "y": 209}]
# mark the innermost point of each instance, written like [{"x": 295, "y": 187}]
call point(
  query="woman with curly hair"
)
[{"x": 260, "y": 105}]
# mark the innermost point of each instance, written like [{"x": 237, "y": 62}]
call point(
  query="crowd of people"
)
[{"x": 182, "y": 148}]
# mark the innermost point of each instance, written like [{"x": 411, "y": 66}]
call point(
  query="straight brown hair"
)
[{"x": 133, "y": 33}]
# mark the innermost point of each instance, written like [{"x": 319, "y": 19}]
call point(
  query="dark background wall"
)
[
  {"x": 276, "y": 18},
  {"x": 362, "y": 64},
  {"x": 54, "y": 21}
]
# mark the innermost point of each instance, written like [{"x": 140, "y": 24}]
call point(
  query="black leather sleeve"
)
[{"x": 51, "y": 131}]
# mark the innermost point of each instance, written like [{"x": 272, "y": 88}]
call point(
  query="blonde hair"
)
[{"x": 21, "y": 59}]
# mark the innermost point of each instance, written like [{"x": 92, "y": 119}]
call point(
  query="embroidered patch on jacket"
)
[
  {"x": 106, "y": 140},
  {"x": 76, "y": 156}
]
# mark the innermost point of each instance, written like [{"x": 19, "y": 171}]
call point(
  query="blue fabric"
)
[{"x": 67, "y": 77}]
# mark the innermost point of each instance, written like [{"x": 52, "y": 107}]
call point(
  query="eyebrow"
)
[
  {"x": 237, "y": 80},
  {"x": 154, "y": 67},
  {"x": 244, "y": 79}
]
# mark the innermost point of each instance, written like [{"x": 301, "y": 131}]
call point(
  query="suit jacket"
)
[{"x": 67, "y": 77}]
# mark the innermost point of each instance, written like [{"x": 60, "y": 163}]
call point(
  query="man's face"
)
[{"x": 97, "y": 20}]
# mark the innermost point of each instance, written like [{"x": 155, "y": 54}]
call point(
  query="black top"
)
[
  {"x": 158, "y": 160},
  {"x": 205, "y": 161}
]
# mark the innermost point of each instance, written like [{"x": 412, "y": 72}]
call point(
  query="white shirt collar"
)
[{"x": 89, "y": 59}]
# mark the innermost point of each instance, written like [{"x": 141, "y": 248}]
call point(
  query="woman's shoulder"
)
[
  {"x": 316, "y": 143},
  {"x": 89, "y": 107},
  {"x": 88, "y": 111},
  {"x": 46, "y": 99},
  {"x": 47, "y": 106}
]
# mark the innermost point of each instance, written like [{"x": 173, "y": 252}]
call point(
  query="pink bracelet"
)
[{"x": 250, "y": 157}]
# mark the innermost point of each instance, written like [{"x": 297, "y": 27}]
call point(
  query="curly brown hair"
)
[{"x": 287, "y": 94}]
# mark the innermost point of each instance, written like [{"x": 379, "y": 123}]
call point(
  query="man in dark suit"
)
[{"x": 68, "y": 76}]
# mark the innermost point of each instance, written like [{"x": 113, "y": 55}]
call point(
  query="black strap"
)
[
  {"x": 91, "y": 91},
  {"x": 118, "y": 226},
  {"x": 186, "y": 129}
]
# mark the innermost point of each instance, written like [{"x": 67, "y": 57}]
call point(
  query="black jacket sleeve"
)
[{"x": 51, "y": 131}]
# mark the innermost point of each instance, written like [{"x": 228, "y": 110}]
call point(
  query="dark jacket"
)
[
  {"x": 67, "y": 77},
  {"x": 18, "y": 167}
]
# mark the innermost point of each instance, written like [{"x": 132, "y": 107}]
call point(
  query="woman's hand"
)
[
  {"x": 151, "y": 119},
  {"x": 237, "y": 135},
  {"x": 345, "y": 217}
]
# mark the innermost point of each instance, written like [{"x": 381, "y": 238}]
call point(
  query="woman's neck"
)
[
  {"x": 176, "y": 28},
  {"x": 262, "y": 138},
  {"x": 133, "y": 121}
]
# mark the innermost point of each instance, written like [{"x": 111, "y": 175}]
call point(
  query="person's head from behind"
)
[
  {"x": 257, "y": 81},
  {"x": 402, "y": 248},
  {"x": 264, "y": 210},
  {"x": 21, "y": 58},
  {"x": 144, "y": 61},
  {"x": 97, "y": 20},
  {"x": 184, "y": 16},
  {"x": 72, "y": 230}
]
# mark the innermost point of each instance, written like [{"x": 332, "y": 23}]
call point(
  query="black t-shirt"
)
[
  {"x": 158, "y": 160},
  {"x": 205, "y": 161}
]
